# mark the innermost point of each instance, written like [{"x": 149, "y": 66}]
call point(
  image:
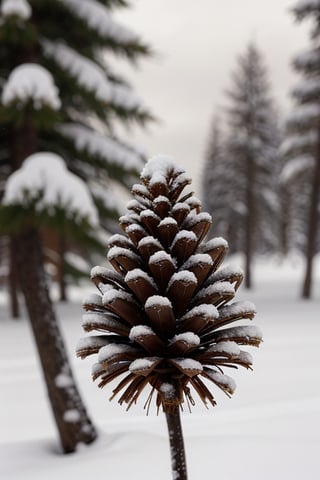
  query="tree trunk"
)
[
  {"x": 177, "y": 450},
  {"x": 249, "y": 223},
  {"x": 24, "y": 142},
  {"x": 13, "y": 282},
  {"x": 285, "y": 221},
  {"x": 70, "y": 415},
  {"x": 61, "y": 267},
  {"x": 313, "y": 222}
]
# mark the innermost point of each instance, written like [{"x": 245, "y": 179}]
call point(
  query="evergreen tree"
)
[
  {"x": 249, "y": 191},
  {"x": 58, "y": 95},
  {"x": 301, "y": 173},
  {"x": 218, "y": 198},
  {"x": 71, "y": 39}
]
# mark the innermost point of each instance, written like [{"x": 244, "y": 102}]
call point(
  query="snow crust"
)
[
  {"x": 218, "y": 287},
  {"x": 195, "y": 218},
  {"x": 157, "y": 301},
  {"x": 149, "y": 213},
  {"x": 110, "y": 295},
  {"x": 198, "y": 258},
  {"x": 28, "y": 82},
  {"x": 214, "y": 243},
  {"x": 205, "y": 309},
  {"x": 94, "y": 341},
  {"x": 160, "y": 166},
  {"x": 183, "y": 276},
  {"x": 20, "y": 8},
  {"x": 111, "y": 150},
  {"x": 92, "y": 299},
  {"x": 247, "y": 331},
  {"x": 188, "y": 364},
  {"x": 109, "y": 351},
  {"x": 149, "y": 241},
  {"x": 46, "y": 173},
  {"x": 168, "y": 390},
  {"x": 91, "y": 76},
  {"x": 227, "y": 347},
  {"x": 167, "y": 221},
  {"x": 237, "y": 308},
  {"x": 136, "y": 274},
  {"x": 224, "y": 272},
  {"x": 184, "y": 235},
  {"x": 223, "y": 380},
  {"x": 115, "y": 252},
  {"x": 159, "y": 257},
  {"x": 142, "y": 364},
  {"x": 140, "y": 331},
  {"x": 189, "y": 338}
]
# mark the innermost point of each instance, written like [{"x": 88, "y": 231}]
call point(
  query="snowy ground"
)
[{"x": 269, "y": 429}]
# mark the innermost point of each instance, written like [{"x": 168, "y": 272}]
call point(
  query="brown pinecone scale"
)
[{"x": 164, "y": 314}]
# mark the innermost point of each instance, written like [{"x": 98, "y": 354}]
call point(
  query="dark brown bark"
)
[
  {"x": 177, "y": 450},
  {"x": 313, "y": 222},
  {"x": 249, "y": 222},
  {"x": 70, "y": 415},
  {"x": 61, "y": 267},
  {"x": 13, "y": 282},
  {"x": 24, "y": 142}
]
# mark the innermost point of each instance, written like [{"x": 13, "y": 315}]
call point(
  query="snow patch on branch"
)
[
  {"x": 97, "y": 144},
  {"x": 90, "y": 76},
  {"x": 33, "y": 82},
  {"x": 45, "y": 178},
  {"x": 19, "y": 8},
  {"x": 97, "y": 17}
]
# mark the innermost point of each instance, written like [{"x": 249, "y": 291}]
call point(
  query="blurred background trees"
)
[
  {"x": 245, "y": 164},
  {"x": 301, "y": 148}
]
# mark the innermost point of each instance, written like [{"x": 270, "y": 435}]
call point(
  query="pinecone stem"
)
[{"x": 177, "y": 450}]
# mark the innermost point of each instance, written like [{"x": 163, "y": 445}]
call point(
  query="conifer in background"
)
[
  {"x": 249, "y": 192},
  {"x": 161, "y": 312},
  {"x": 75, "y": 41},
  {"x": 217, "y": 198},
  {"x": 301, "y": 147}
]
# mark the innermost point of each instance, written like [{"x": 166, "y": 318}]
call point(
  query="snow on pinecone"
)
[{"x": 165, "y": 305}]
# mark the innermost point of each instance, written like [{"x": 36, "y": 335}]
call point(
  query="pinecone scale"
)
[{"x": 166, "y": 303}]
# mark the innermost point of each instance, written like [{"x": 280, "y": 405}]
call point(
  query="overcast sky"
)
[{"x": 197, "y": 43}]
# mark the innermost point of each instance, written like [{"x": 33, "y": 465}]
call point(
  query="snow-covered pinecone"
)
[{"x": 166, "y": 303}]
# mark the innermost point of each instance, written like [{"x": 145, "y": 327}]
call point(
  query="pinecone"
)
[{"x": 166, "y": 303}]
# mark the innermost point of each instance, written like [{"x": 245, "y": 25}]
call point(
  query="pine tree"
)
[
  {"x": 250, "y": 163},
  {"x": 162, "y": 306},
  {"x": 71, "y": 39},
  {"x": 301, "y": 148},
  {"x": 58, "y": 95},
  {"x": 218, "y": 197}
]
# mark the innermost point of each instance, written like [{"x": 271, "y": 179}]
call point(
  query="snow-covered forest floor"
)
[{"x": 269, "y": 429}]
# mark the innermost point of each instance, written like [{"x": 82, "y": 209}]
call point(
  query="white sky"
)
[{"x": 197, "y": 43}]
